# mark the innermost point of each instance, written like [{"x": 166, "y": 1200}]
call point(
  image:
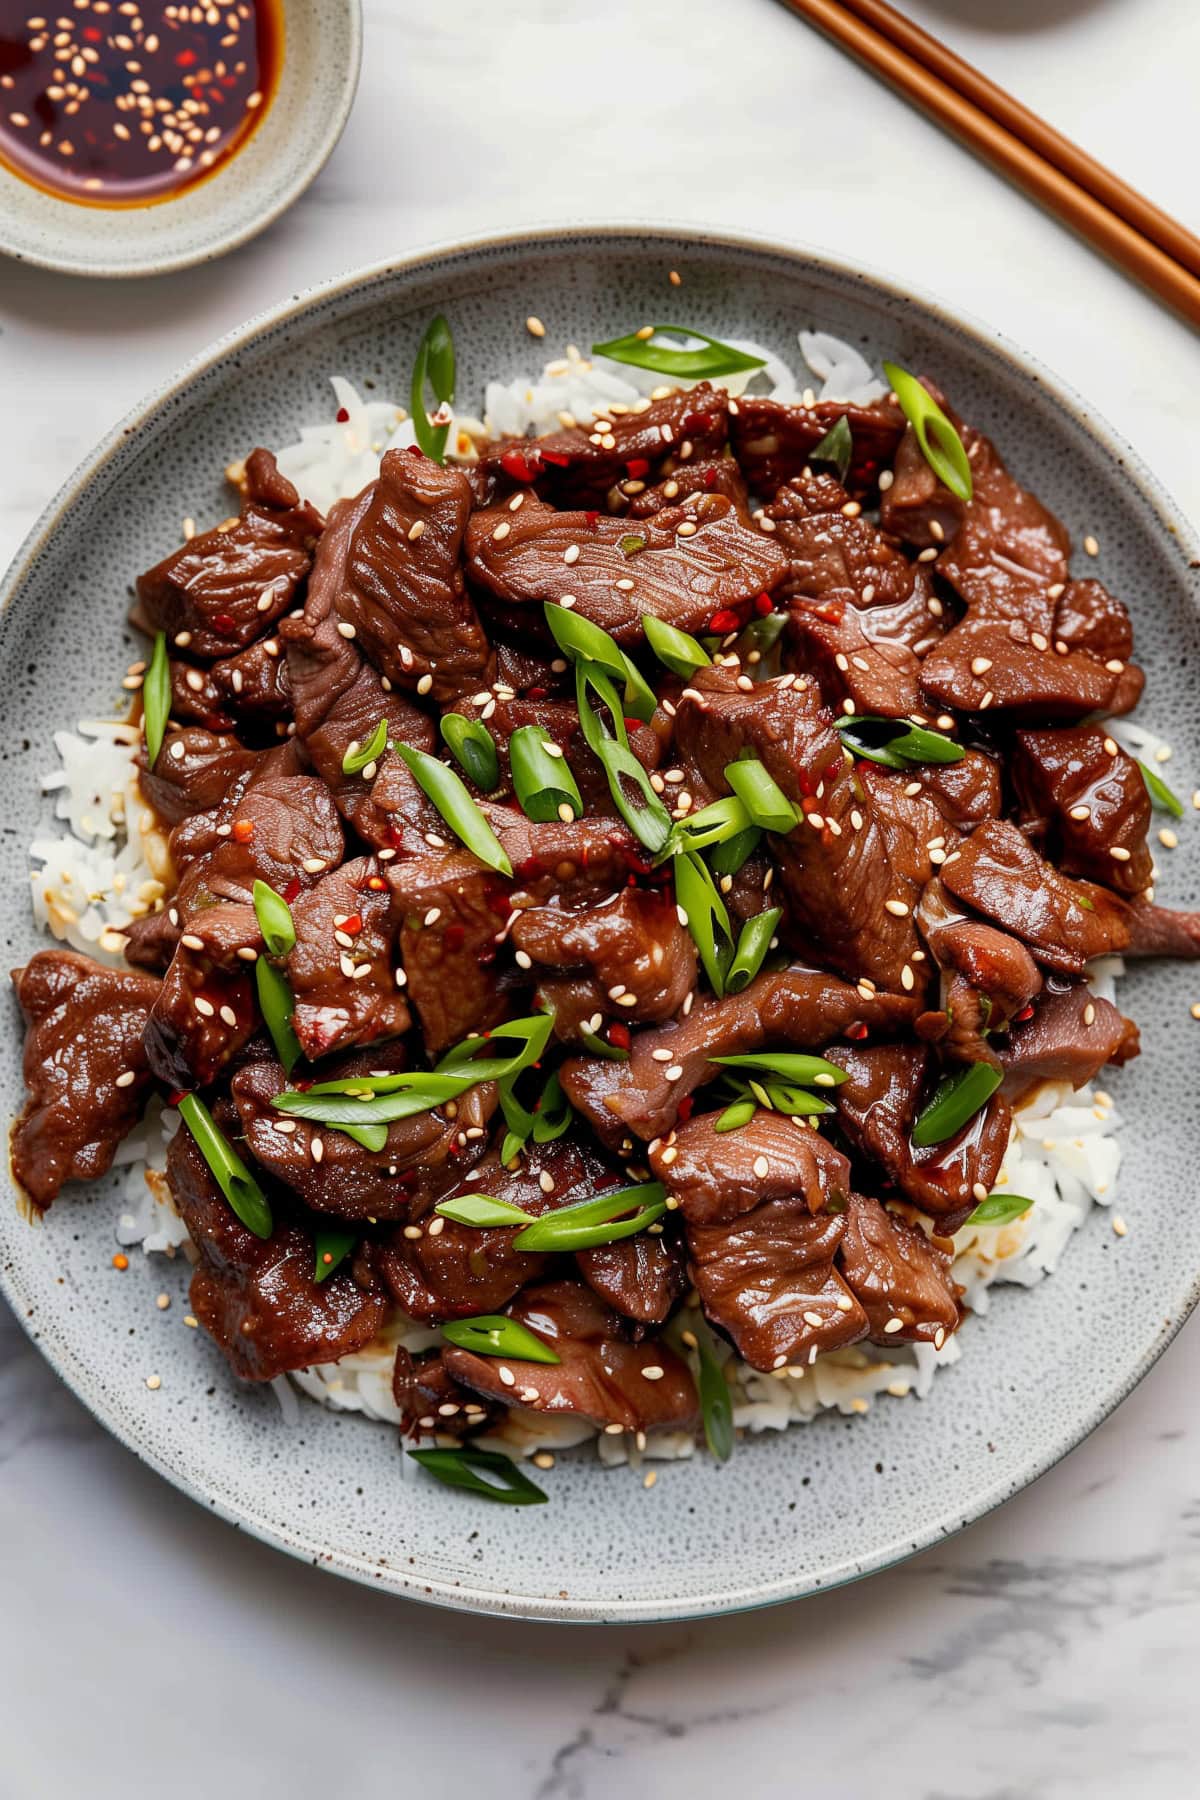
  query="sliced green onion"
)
[
  {"x": 543, "y": 783},
  {"x": 676, "y": 649},
  {"x": 552, "y": 1115},
  {"x": 435, "y": 364},
  {"x": 332, "y": 1248},
  {"x": 481, "y": 1210},
  {"x": 715, "y": 823},
  {"x": 642, "y": 811},
  {"x": 779, "y": 1096},
  {"x": 896, "y": 743},
  {"x": 999, "y": 1209},
  {"x": 632, "y": 544},
  {"x": 277, "y": 1004},
  {"x": 156, "y": 698},
  {"x": 641, "y": 352},
  {"x": 707, "y": 917},
  {"x": 530, "y": 1035},
  {"x": 958, "y": 1098},
  {"x": 761, "y": 795},
  {"x": 1160, "y": 794},
  {"x": 324, "y": 1108},
  {"x": 789, "y": 1065},
  {"x": 355, "y": 761},
  {"x": 940, "y": 444},
  {"x": 456, "y": 806},
  {"x": 519, "y": 1120},
  {"x": 731, "y": 853},
  {"x": 275, "y": 920},
  {"x": 737, "y": 1115},
  {"x": 716, "y": 1402},
  {"x": 592, "y": 1222},
  {"x": 495, "y": 1334},
  {"x": 762, "y": 634},
  {"x": 584, "y": 642},
  {"x": 473, "y": 748},
  {"x": 753, "y": 943},
  {"x": 460, "y": 1469},
  {"x": 591, "y": 1040},
  {"x": 371, "y": 1137},
  {"x": 228, "y": 1170},
  {"x": 836, "y": 449}
]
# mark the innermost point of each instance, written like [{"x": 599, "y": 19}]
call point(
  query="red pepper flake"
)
[
  {"x": 243, "y": 830},
  {"x": 176, "y": 1097},
  {"x": 92, "y": 34},
  {"x": 120, "y": 1261},
  {"x": 592, "y": 519},
  {"x": 377, "y": 884},
  {"x": 225, "y": 623},
  {"x": 724, "y": 619},
  {"x": 710, "y": 478},
  {"x": 685, "y": 1109},
  {"x": 857, "y": 1032},
  {"x": 1026, "y": 1012},
  {"x": 764, "y": 605},
  {"x": 522, "y": 465},
  {"x": 697, "y": 421},
  {"x": 618, "y": 1036},
  {"x": 185, "y": 59},
  {"x": 557, "y": 458},
  {"x": 536, "y": 693},
  {"x": 632, "y": 724},
  {"x": 637, "y": 467},
  {"x": 415, "y": 450},
  {"x": 292, "y": 889},
  {"x": 343, "y": 417},
  {"x": 352, "y": 924}
]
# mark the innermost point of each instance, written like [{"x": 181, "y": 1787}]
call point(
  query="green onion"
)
[
  {"x": 716, "y": 1402},
  {"x": 836, "y": 449},
  {"x": 790, "y": 1065},
  {"x": 752, "y": 947},
  {"x": 641, "y": 352},
  {"x": 332, "y": 1248},
  {"x": 355, "y": 761},
  {"x": 729, "y": 855},
  {"x": 642, "y": 811},
  {"x": 678, "y": 651},
  {"x": 360, "y": 1108},
  {"x": 896, "y": 743},
  {"x": 456, "y": 806},
  {"x": 779, "y": 1096},
  {"x": 584, "y": 642},
  {"x": 1160, "y": 794},
  {"x": 707, "y": 917},
  {"x": 552, "y": 1115},
  {"x": 592, "y": 1222},
  {"x": 737, "y": 1115},
  {"x": 940, "y": 444},
  {"x": 495, "y": 1334},
  {"x": 435, "y": 363},
  {"x": 156, "y": 698},
  {"x": 459, "y": 1469},
  {"x": 999, "y": 1209},
  {"x": 481, "y": 1210},
  {"x": 229, "y": 1171},
  {"x": 371, "y": 1137},
  {"x": 717, "y": 823},
  {"x": 275, "y": 920},
  {"x": 530, "y": 1034},
  {"x": 519, "y": 1120},
  {"x": 957, "y": 1099},
  {"x": 599, "y": 1046},
  {"x": 765, "y": 801},
  {"x": 473, "y": 749},
  {"x": 277, "y": 1004},
  {"x": 631, "y": 544},
  {"x": 763, "y": 633},
  {"x": 543, "y": 783}
]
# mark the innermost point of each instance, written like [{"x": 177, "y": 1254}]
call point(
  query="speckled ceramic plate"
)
[
  {"x": 322, "y": 51},
  {"x": 790, "y": 1514}
]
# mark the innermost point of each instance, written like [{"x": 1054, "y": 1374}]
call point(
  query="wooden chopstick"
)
[{"x": 1112, "y": 217}]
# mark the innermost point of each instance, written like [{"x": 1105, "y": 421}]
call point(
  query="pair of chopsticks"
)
[{"x": 1114, "y": 218}]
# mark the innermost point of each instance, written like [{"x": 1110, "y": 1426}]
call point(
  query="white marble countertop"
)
[{"x": 1049, "y": 1651}]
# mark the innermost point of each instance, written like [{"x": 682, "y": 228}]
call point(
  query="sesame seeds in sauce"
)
[{"x": 109, "y": 109}]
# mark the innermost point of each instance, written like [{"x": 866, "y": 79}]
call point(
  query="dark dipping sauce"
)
[{"x": 116, "y": 103}]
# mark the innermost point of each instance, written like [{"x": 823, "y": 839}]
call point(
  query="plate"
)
[
  {"x": 322, "y": 51},
  {"x": 791, "y": 1513}
]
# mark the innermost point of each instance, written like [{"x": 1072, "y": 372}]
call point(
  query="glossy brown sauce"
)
[{"x": 128, "y": 102}]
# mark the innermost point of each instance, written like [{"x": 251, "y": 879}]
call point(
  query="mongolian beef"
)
[{"x": 623, "y": 881}]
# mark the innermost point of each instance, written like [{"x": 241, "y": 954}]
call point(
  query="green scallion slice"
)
[
  {"x": 734, "y": 1117},
  {"x": 495, "y": 1334},
  {"x": 836, "y": 449},
  {"x": 707, "y": 917},
  {"x": 641, "y": 351},
  {"x": 552, "y": 1115},
  {"x": 790, "y": 1065},
  {"x": 460, "y": 1469},
  {"x": 676, "y": 649},
  {"x": 764, "y": 800},
  {"x": 714, "y": 824},
  {"x": 543, "y": 783},
  {"x": 598, "y": 1046},
  {"x": 435, "y": 364},
  {"x": 277, "y": 1004},
  {"x": 958, "y": 1098},
  {"x": 896, "y": 743},
  {"x": 716, "y": 1402},
  {"x": 275, "y": 920},
  {"x": 481, "y": 1210},
  {"x": 332, "y": 1248},
  {"x": 228, "y": 1170},
  {"x": 731, "y": 853},
  {"x": 628, "y": 782},
  {"x": 586, "y": 643},
  {"x": 999, "y": 1209},
  {"x": 940, "y": 444},
  {"x": 156, "y": 698},
  {"x": 1160, "y": 794},
  {"x": 456, "y": 806},
  {"x": 592, "y": 1222},
  {"x": 355, "y": 761},
  {"x": 473, "y": 748},
  {"x": 753, "y": 943}
]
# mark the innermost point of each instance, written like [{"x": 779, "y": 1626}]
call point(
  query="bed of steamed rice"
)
[{"x": 106, "y": 863}]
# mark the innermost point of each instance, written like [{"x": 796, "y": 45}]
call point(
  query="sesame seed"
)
[
  {"x": 897, "y": 908},
  {"x": 433, "y": 915},
  {"x": 534, "y": 326},
  {"x": 506, "y": 1375},
  {"x": 345, "y": 628},
  {"x": 761, "y": 1167},
  {"x": 980, "y": 665},
  {"x": 571, "y": 553},
  {"x": 501, "y": 532},
  {"x": 425, "y": 683},
  {"x": 1120, "y": 854},
  {"x": 907, "y": 978},
  {"x": 1120, "y": 1228},
  {"x": 1168, "y": 838},
  {"x": 204, "y": 1007},
  {"x": 653, "y": 1372},
  {"x": 940, "y": 1338},
  {"x": 1091, "y": 546},
  {"x": 813, "y": 1318},
  {"x": 126, "y": 1078},
  {"x": 312, "y": 865},
  {"x": 926, "y": 556},
  {"x": 228, "y": 1015},
  {"x": 686, "y": 529},
  {"x": 649, "y": 1478},
  {"x": 154, "y": 1382},
  {"x": 1112, "y": 747},
  {"x": 317, "y": 1150},
  {"x": 1089, "y": 1014},
  {"x": 894, "y": 1325},
  {"x": 670, "y": 1153}
]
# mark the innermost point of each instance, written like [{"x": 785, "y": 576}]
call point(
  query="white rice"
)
[{"x": 107, "y": 862}]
